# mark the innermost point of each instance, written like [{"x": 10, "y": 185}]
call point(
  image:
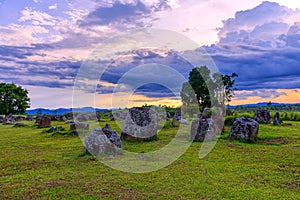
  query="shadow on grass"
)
[{"x": 277, "y": 141}]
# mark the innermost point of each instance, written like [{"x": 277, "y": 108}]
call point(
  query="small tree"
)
[
  {"x": 13, "y": 99},
  {"x": 269, "y": 105},
  {"x": 216, "y": 89},
  {"x": 39, "y": 112},
  {"x": 227, "y": 83},
  {"x": 188, "y": 95}
]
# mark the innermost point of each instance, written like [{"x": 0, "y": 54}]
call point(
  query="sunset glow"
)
[{"x": 44, "y": 43}]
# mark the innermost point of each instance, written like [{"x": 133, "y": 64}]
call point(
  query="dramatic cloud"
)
[
  {"x": 263, "y": 93},
  {"x": 16, "y": 66},
  {"x": 155, "y": 91},
  {"x": 260, "y": 26},
  {"x": 43, "y": 43},
  {"x": 151, "y": 59},
  {"x": 125, "y": 14},
  {"x": 140, "y": 57},
  {"x": 262, "y": 46}
]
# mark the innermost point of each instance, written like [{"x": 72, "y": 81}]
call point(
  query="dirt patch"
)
[
  {"x": 274, "y": 141},
  {"x": 231, "y": 145},
  {"x": 123, "y": 194},
  {"x": 53, "y": 184},
  {"x": 293, "y": 186}
]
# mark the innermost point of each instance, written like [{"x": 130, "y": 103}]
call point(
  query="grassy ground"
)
[{"x": 36, "y": 165}]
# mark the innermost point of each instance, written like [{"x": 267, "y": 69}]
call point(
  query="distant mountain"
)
[
  {"x": 264, "y": 104},
  {"x": 61, "y": 111}
]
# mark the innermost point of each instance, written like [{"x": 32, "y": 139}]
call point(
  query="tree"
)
[
  {"x": 55, "y": 112},
  {"x": 189, "y": 99},
  {"x": 13, "y": 99},
  {"x": 216, "y": 89},
  {"x": 188, "y": 95},
  {"x": 39, "y": 112},
  {"x": 227, "y": 84}
]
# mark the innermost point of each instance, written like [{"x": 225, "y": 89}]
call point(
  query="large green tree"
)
[
  {"x": 208, "y": 89},
  {"x": 13, "y": 99}
]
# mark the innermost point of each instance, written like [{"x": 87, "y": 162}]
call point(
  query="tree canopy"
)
[
  {"x": 207, "y": 89},
  {"x": 13, "y": 99}
]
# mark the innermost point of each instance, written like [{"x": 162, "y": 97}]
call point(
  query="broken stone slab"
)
[
  {"x": 141, "y": 123},
  {"x": 244, "y": 129},
  {"x": 44, "y": 122},
  {"x": 277, "y": 120},
  {"x": 203, "y": 129},
  {"x": 262, "y": 116},
  {"x": 102, "y": 142}
]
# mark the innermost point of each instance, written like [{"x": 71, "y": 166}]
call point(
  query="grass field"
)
[{"x": 36, "y": 165}]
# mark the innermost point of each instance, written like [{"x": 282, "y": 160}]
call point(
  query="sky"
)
[{"x": 47, "y": 47}]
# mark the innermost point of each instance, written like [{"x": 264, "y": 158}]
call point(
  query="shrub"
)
[
  {"x": 229, "y": 120},
  {"x": 286, "y": 117},
  {"x": 211, "y": 112},
  {"x": 296, "y": 117},
  {"x": 246, "y": 115},
  {"x": 167, "y": 125},
  {"x": 292, "y": 116}
]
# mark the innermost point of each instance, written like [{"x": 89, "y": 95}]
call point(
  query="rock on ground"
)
[
  {"x": 140, "y": 124},
  {"x": 54, "y": 129},
  {"x": 202, "y": 129},
  {"x": 277, "y": 120},
  {"x": 262, "y": 116},
  {"x": 19, "y": 124},
  {"x": 29, "y": 118},
  {"x": 77, "y": 125},
  {"x": 81, "y": 118},
  {"x": 244, "y": 129},
  {"x": 102, "y": 142},
  {"x": 177, "y": 116},
  {"x": 44, "y": 122}
]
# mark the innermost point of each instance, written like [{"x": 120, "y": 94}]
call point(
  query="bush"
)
[
  {"x": 246, "y": 115},
  {"x": 167, "y": 125},
  {"x": 210, "y": 113},
  {"x": 286, "y": 116},
  {"x": 296, "y": 117},
  {"x": 229, "y": 120},
  {"x": 292, "y": 116}
]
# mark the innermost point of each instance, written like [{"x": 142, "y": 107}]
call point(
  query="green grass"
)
[
  {"x": 284, "y": 115},
  {"x": 292, "y": 116},
  {"x": 36, "y": 165}
]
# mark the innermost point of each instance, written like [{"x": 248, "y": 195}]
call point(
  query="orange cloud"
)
[{"x": 290, "y": 96}]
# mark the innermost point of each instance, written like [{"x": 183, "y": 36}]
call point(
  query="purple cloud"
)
[{"x": 261, "y": 46}]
